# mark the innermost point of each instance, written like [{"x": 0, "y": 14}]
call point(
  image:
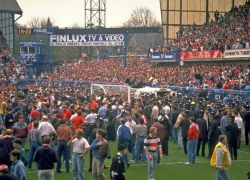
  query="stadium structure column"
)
[
  {"x": 207, "y": 12},
  {"x": 180, "y": 13},
  {"x": 125, "y": 50},
  {"x": 95, "y": 16}
]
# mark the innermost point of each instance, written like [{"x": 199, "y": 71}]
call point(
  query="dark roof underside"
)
[{"x": 10, "y": 6}]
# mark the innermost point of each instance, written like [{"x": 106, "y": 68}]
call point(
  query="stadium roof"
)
[{"x": 10, "y": 6}]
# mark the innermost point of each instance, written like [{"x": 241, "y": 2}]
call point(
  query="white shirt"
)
[
  {"x": 46, "y": 128},
  {"x": 131, "y": 125},
  {"x": 79, "y": 145},
  {"x": 73, "y": 116},
  {"x": 90, "y": 118},
  {"x": 238, "y": 121},
  {"x": 166, "y": 109}
]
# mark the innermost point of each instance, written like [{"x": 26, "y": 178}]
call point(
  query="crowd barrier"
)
[
  {"x": 213, "y": 55},
  {"x": 213, "y": 95}
]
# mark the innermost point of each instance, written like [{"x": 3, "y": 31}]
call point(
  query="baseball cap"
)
[{"x": 122, "y": 147}]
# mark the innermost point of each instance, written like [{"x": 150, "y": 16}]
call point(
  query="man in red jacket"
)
[
  {"x": 193, "y": 135},
  {"x": 66, "y": 113}
]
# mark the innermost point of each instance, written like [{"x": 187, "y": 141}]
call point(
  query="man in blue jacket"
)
[
  {"x": 98, "y": 162},
  {"x": 124, "y": 135},
  {"x": 17, "y": 167}
]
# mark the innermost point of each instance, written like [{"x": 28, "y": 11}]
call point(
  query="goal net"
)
[{"x": 109, "y": 89}]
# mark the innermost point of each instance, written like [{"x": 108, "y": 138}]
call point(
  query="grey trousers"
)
[
  {"x": 97, "y": 170},
  {"x": 47, "y": 174}
]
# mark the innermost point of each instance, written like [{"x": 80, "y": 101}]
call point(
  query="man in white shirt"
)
[
  {"x": 47, "y": 129},
  {"x": 166, "y": 108},
  {"x": 238, "y": 120},
  {"x": 80, "y": 148}
]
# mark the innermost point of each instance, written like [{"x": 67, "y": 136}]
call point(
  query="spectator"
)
[
  {"x": 17, "y": 146},
  {"x": 45, "y": 157},
  {"x": 17, "y": 167},
  {"x": 20, "y": 130},
  {"x": 80, "y": 148}
]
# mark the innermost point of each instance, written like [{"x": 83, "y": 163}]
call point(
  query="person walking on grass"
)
[
  {"x": 98, "y": 161},
  {"x": 17, "y": 167},
  {"x": 64, "y": 134},
  {"x": 221, "y": 159},
  {"x": 80, "y": 148},
  {"x": 117, "y": 168},
  {"x": 193, "y": 135},
  {"x": 45, "y": 157},
  {"x": 151, "y": 146},
  {"x": 35, "y": 140}
]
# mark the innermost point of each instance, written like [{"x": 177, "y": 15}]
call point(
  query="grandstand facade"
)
[
  {"x": 8, "y": 10},
  {"x": 179, "y": 13}
]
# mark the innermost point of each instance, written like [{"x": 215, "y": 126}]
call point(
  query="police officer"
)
[
  {"x": 213, "y": 134},
  {"x": 117, "y": 168},
  {"x": 203, "y": 133}
]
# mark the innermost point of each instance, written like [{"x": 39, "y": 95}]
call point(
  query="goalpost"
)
[{"x": 122, "y": 90}]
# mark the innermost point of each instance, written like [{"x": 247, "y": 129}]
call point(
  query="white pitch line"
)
[{"x": 145, "y": 164}]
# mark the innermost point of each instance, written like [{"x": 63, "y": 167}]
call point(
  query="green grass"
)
[{"x": 172, "y": 167}]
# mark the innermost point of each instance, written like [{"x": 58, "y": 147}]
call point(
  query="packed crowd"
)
[
  {"x": 225, "y": 32},
  {"x": 52, "y": 122},
  {"x": 138, "y": 70}
]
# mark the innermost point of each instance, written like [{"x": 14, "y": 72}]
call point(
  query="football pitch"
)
[{"x": 172, "y": 167}]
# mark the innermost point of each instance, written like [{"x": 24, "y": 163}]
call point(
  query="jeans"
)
[
  {"x": 125, "y": 157},
  {"x": 77, "y": 167},
  {"x": 22, "y": 141},
  {"x": 33, "y": 147},
  {"x": 139, "y": 146},
  {"x": 174, "y": 134},
  {"x": 158, "y": 156},
  {"x": 221, "y": 175},
  {"x": 151, "y": 164},
  {"x": 179, "y": 138},
  {"x": 62, "y": 149},
  {"x": 47, "y": 174},
  {"x": 192, "y": 148}
]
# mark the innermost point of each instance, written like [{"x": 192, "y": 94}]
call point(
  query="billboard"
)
[
  {"x": 201, "y": 55},
  {"x": 169, "y": 57},
  {"x": 35, "y": 31},
  {"x": 87, "y": 40}
]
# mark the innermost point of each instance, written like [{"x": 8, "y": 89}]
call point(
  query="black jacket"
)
[
  {"x": 167, "y": 127},
  {"x": 45, "y": 158},
  {"x": 173, "y": 116},
  {"x": 247, "y": 118},
  {"x": 117, "y": 168},
  {"x": 193, "y": 113},
  {"x": 232, "y": 132},
  {"x": 5, "y": 148},
  {"x": 185, "y": 126},
  {"x": 202, "y": 126},
  {"x": 213, "y": 131}
]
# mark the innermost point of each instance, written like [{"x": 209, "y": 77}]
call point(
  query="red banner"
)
[{"x": 200, "y": 55}]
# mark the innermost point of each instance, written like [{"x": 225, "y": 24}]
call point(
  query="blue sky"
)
[{"x": 67, "y": 12}]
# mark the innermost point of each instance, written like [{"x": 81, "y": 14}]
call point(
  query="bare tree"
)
[
  {"x": 142, "y": 17},
  {"x": 38, "y": 22},
  {"x": 75, "y": 25}
]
